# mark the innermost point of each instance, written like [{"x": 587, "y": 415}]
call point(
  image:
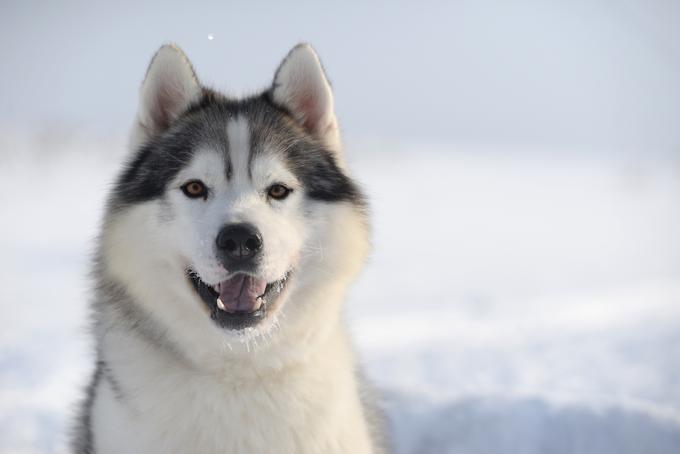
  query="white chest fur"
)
[{"x": 163, "y": 405}]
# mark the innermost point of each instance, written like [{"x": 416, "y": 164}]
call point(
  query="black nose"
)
[{"x": 239, "y": 241}]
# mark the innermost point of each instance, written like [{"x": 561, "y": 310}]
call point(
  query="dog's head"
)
[{"x": 232, "y": 212}]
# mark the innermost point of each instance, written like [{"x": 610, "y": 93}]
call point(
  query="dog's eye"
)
[
  {"x": 278, "y": 191},
  {"x": 194, "y": 189}
]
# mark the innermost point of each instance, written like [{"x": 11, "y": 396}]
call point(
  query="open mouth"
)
[{"x": 241, "y": 301}]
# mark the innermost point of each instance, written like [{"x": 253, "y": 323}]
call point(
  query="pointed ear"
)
[
  {"x": 169, "y": 88},
  {"x": 301, "y": 87}
]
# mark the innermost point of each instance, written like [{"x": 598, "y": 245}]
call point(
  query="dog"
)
[{"x": 227, "y": 246}]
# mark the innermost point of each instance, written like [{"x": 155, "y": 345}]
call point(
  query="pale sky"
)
[{"x": 589, "y": 74}]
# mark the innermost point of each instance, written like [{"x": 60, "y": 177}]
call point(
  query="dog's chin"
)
[{"x": 226, "y": 317}]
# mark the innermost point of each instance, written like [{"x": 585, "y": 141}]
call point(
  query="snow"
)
[
  {"x": 522, "y": 298},
  {"x": 517, "y": 301}
]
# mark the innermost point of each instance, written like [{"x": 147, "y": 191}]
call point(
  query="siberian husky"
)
[{"x": 227, "y": 247}]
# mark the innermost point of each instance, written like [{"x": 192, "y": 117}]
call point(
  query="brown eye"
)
[
  {"x": 278, "y": 191},
  {"x": 194, "y": 189}
]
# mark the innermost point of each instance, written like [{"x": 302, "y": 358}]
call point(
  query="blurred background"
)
[{"x": 523, "y": 163}]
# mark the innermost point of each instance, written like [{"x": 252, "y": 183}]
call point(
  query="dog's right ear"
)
[{"x": 169, "y": 88}]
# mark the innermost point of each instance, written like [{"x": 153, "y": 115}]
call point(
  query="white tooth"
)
[
  {"x": 258, "y": 303},
  {"x": 220, "y": 304}
]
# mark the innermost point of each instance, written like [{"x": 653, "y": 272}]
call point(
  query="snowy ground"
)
[{"x": 516, "y": 302}]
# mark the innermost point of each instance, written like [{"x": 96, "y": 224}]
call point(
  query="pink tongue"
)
[{"x": 239, "y": 293}]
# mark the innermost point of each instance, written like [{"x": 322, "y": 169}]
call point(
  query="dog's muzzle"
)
[{"x": 241, "y": 301}]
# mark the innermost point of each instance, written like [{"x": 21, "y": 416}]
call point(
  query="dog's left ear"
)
[{"x": 301, "y": 87}]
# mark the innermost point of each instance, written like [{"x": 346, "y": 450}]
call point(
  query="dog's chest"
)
[{"x": 292, "y": 412}]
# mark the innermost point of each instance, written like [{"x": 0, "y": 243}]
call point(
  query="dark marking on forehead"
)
[
  {"x": 158, "y": 161},
  {"x": 229, "y": 169}
]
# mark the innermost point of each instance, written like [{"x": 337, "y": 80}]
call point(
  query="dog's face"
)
[
  {"x": 233, "y": 206},
  {"x": 240, "y": 226}
]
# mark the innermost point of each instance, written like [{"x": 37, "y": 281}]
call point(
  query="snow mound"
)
[{"x": 484, "y": 425}]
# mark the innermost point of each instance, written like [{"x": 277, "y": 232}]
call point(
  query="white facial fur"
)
[
  {"x": 240, "y": 199},
  {"x": 150, "y": 245}
]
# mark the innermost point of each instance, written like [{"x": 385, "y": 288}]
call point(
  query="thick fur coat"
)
[{"x": 229, "y": 241}]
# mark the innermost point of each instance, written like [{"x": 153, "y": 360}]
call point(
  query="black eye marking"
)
[
  {"x": 195, "y": 189},
  {"x": 278, "y": 191}
]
